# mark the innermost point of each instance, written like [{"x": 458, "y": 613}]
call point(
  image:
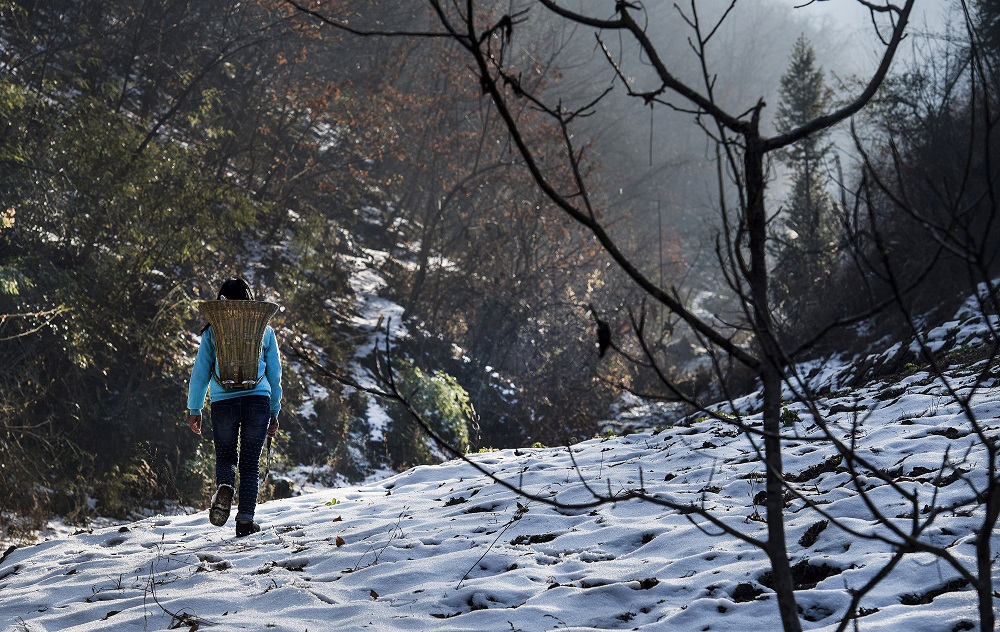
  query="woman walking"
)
[{"x": 241, "y": 417}]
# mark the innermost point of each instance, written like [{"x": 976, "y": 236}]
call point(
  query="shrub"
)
[
  {"x": 125, "y": 489},
  {"x": 441, "y": 402},
  {"x": 788, "y": 416}
]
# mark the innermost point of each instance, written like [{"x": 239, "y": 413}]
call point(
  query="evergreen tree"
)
[{"x": 806, "y": 244}]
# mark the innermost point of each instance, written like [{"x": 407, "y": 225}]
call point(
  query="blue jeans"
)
[{"x": 240, "y": 421}]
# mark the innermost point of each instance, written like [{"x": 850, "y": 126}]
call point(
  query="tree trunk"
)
[
  {"x": 770, "y": 374},
  {"x": 424, "y": 256},
  {"x": 777, "y": 553}
]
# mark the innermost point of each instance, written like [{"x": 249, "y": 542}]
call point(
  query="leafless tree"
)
[
  {"x": 741, "y": 150},
  {"x": 952, "y": 217}
]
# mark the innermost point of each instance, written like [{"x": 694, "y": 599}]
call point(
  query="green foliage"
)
[
  {"x": 935, "y": 148},
  {"x": 145, "y": 157},
  {"x": 125, "y": 489},
  {"x": 138, "y": 171},
  {"x": 440, "y": 401},
  {"x": 71, "y": 498},
  {"x": 807, "y": 243},
  {"x": 16, "y": 106},
  {"x": 789, "y": 417},
  {"x": 804, "y": 96},
  {"x": 12, "y": 280}
]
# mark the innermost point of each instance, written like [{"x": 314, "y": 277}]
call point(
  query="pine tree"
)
[{"x": 806, "y": 244}]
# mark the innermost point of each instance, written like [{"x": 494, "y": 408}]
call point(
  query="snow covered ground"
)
[
  {"x": 449, "y": 548},
  {"x": 446, "y": 548}
]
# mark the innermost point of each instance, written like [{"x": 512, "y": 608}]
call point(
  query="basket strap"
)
[{"x": 218, "y": 379}]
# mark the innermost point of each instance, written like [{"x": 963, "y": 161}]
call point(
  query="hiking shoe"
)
[
  {"x": 246, "y": 527},
  {"x": 222, "y": 501}
]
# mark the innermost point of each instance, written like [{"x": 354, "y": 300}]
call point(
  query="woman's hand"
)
[
  {"x": 195, "y": 422},
  {"x": 272, "y": 426}
]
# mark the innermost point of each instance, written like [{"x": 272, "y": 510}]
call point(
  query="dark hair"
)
[{"x": 235, "y": 289}]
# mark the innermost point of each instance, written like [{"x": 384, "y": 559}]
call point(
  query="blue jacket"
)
[{"x": 203, "y": 381}]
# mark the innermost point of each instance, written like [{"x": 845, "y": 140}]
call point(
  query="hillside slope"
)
[{"x": 444, "y": 547}]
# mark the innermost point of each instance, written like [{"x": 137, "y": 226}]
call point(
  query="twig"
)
[{"x": 521, "y": 510}]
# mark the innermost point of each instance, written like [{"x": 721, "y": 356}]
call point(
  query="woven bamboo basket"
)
[{"x": 238, "y": 327}]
